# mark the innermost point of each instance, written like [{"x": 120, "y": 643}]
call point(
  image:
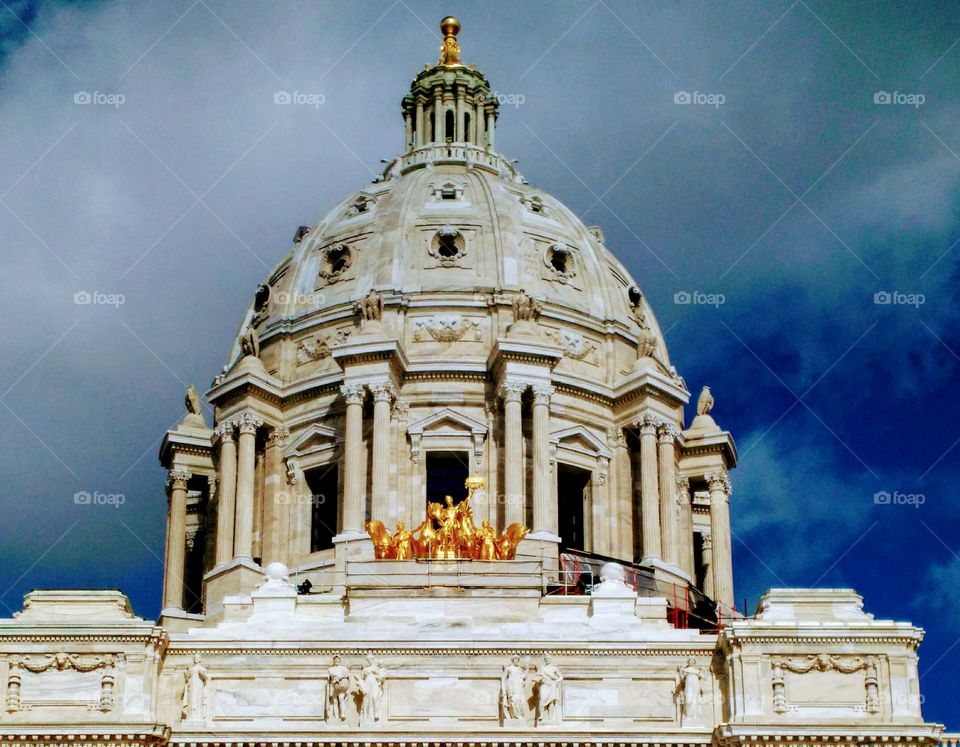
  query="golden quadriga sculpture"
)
[{"x": 447, "y": 533}]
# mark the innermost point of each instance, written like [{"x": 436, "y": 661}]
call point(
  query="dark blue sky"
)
[{"x": 799, "y": 198}]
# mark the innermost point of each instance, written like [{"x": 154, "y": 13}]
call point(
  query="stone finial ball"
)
[
  {"x": 612, "y": 572},
  {"x": 277, "y": 572}
]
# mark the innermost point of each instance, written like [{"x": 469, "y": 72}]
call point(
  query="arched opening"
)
[
  {"x": 450, "y": 127},
  {"x": 467, "y": 132}
]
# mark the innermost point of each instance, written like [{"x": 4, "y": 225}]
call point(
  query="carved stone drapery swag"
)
[
  {"x": 824, "y": 663},
  {"x": 61, "y": 661}
]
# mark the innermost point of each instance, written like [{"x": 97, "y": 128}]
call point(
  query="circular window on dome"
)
[
  {"x": 559, "y": 259},
  {"x": 448, "y": 246},
  {"x": 261, "y": 298},
  {"x": 335, "y": 261}
]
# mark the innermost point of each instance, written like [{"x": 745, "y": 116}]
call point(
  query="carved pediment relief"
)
[
  {"x": 450, "y": 428},
  {"x": 319, "y": 347},
  {"x": 582, "y": 440}
]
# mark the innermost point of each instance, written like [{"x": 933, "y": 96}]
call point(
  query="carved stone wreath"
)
[
  {"x": 559, "y": 259},
  {"x": 448, "y": 246},
  {"x": 335, "y": 260}
]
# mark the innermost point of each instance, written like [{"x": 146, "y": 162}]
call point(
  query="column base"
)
[
  {"x": 239, "y": 576},
  {"x": 544, "y": 547}
]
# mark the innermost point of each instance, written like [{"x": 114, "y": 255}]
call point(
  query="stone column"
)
[
  {"x": 407, "y": 131},
  {"x": 620, "y": 496},
  {"x": 382, "y": 393},
  {"x": 491, "y": 129},
  {"x": 226, "y": 508},
  {"x": 649, "y": 490},
  {"x": 354, "y": 510},
  {"x": 544, "y": 506},
  {"x": 277, "y": 505},
  {"x": 461, "y": 122},
  {"x": 247, "y": 424},
  {"x": 722, "y": 554},
  {"x": 669, "y": 515},
  {"x": 479, "y": 124},
  {"x": 686, "y": 525},
  {"x": 513, "y": 502},
  {"x": 439, "y": 136},
  {"x": 706, "y": 560},
  {"x": 419, "y": 135},
  {"x": 176, "y": 539}
]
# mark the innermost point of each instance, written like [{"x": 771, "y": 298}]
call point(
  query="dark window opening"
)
[
  {"x": 560, "y": 261},
  {"x": 450, "y": 126},
  {"x": 261, "y": 297},
  {"x": 536, "y": 206},
  {"x": 447, "y": 472},
  {"x": 323, "y": 483},
  {"x": 448, "y": 193},
  {"x": 573, "y": 499},
  {"x": 466, "y": 127},
  {"x": 339, "y": 259},
  {"x": 448, "y": 246},
  {"x": 699, "y": 569}
]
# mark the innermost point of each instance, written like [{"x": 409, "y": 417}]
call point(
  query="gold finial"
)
[{"x": 450, "y": 50}]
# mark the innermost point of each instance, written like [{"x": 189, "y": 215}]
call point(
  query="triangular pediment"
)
[
  {"x": 315, "y": 438},
  {"x": 447, "y": 422},
  {"x": 582, "y": 439}
]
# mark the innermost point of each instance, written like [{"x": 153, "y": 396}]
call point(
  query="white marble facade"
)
[{"x": 452, "y": 309}]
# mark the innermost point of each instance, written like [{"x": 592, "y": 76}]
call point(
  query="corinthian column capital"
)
[
  {"x": 248, "y": 422},
  {"x": 278, "y": 436},
  {"x": 352, "y": 393},
  {"x": 648, "y": 424},
  {"x": 382, "y": 391},
  {"x": 542, "y": 394},
  {"x": 224, "y": 430},
  {"x": 512, "y": 391},
  {"x": 177, "y": 479},
  {"x": 718, "y": 481},
  {"x": 668, "y": 432}
]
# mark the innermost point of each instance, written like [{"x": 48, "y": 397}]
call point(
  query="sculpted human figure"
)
[
  {"x": 372, "y": 678},
  {"x": 192, "y": 400},
  {"x": 339, "y": 684},
  {"x": 371, "y": 307},
  {"x": 249, "y": 343},
  {"x": 402, "y": 543},
  {"x": 195, "y": 691},
  {"x": 689, "y": 692},
  {"x": 512, "y": 699},
  {"x": 487, "y": 539},
  {"x": 549, "y": 681}
]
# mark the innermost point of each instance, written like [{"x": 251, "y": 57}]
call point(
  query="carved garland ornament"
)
[
  {"x": 446, "y": 329},
  {"x": 319, "y": 347},
  {"x": 62, "y": 661},
  {"x": 574, "y": 344},
  {"x": 824, "y": 663}
]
